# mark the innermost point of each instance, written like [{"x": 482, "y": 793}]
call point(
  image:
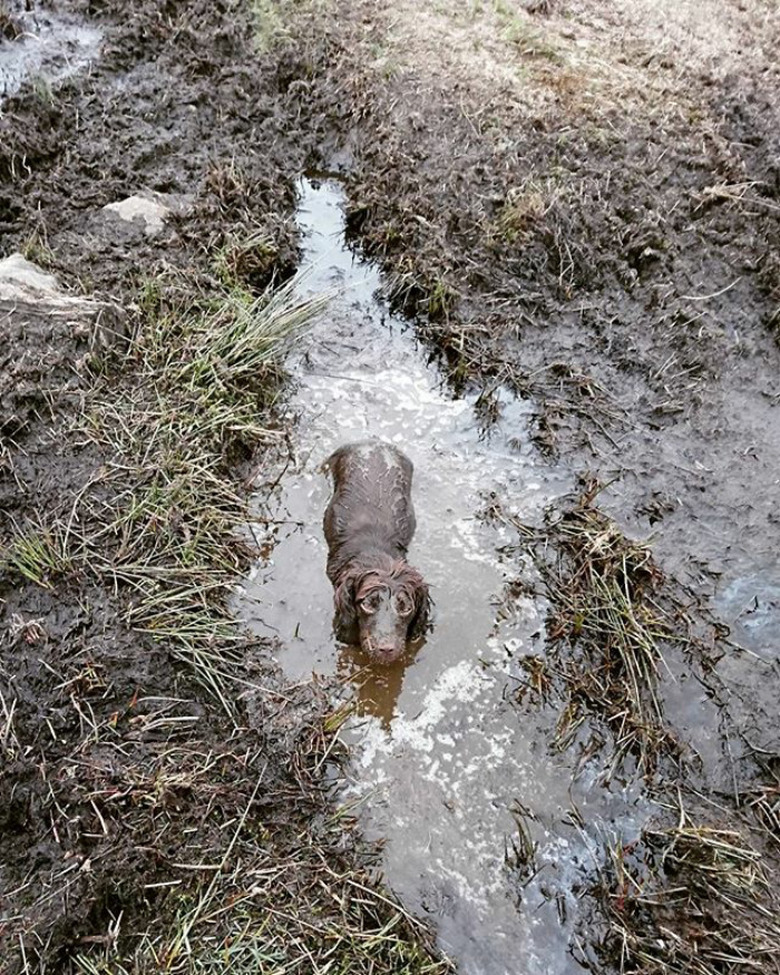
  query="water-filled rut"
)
[
  {"x": 443, "y": 761},
  {"x": 50, "y": 47}
]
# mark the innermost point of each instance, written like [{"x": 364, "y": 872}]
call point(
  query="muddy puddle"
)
[
  {"x": 48, "y": 47},
  {"x": 443, "y": 761}
]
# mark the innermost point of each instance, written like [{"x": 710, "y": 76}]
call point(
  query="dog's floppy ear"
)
[
  {"x": 423, "y": 604},
  {"x": 344, "y": 599}
]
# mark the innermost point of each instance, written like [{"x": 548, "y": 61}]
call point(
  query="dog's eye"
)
[
  {"x": 370, "y": 604},
  {"x": 403, "y": 604}
]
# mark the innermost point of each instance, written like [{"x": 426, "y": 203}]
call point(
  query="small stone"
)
[
  {"x": 151, "y": 212},
  {"x": 21, "y": 280}
]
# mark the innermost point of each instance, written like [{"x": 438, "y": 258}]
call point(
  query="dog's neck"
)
[{"x": 363, "y": 554}]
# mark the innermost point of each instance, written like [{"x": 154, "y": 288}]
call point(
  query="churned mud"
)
[{"x": 548, "y": 237}]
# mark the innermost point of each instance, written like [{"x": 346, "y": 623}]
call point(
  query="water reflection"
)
[{"x": 377, "y": 688}]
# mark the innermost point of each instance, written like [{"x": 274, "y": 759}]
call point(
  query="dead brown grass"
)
[{"x": 693, "y": 898}]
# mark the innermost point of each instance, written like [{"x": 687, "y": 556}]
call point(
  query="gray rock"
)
[
  {"x": 28, "y": 293},
  {"x": 148, "y": 210},
  {"x": 21, "y": 280},
  {"x": 138, "y": 208}
]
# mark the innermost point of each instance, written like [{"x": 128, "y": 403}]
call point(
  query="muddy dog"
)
[{"x": 381, "y": 602}]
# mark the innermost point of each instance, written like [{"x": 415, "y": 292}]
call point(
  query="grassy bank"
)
[{"x": 195, "y": 831}]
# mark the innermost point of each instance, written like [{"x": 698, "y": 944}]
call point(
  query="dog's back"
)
[{"x": 371, "y": 507}]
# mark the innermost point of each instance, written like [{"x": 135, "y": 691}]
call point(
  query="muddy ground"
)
[{"x": 577, "y": 204}]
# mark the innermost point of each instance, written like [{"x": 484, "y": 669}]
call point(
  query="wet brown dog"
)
[{"x": 381, "y": 601}]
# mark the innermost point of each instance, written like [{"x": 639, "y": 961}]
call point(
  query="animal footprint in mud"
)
[{"x": 382, "y": 603}]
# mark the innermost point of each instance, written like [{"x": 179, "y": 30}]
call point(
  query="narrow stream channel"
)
[{"x": 443, "y": 760}]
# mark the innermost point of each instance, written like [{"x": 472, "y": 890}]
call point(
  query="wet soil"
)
[{"x": 578, "y": 213}]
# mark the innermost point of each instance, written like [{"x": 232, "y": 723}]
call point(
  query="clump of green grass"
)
[
  {"x": 217, "y": 352},
  {"x": 37, "y": 250},
  {"x": 524, "y": 208},
  {"x": 441, "y": 300},
  {"x": 245, "y": 258},
  {"x": 209, "y": 369},
  {"x": 38, "y": 553},
  {"x": 269, "y": 24},
  {"x": 691, "y": 899}
]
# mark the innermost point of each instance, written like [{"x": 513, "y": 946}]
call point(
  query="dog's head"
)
[{"x": 383, "y": 608}]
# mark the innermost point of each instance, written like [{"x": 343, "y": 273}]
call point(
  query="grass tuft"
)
[
  {"x": 525, "y": 207},
  {"x": 269, "y": 25},
  {"x": 38, "y": 554},
  {"x": 245, "y": 259},
  {"x": 691, "y": 898},
  {"x": 606, "y": 628},
  {"x": 36, "y": 249},
  {"x": 163, "y": 524}
]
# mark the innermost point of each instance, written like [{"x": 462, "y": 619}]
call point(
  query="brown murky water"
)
[{"x": 442, "y": 760}]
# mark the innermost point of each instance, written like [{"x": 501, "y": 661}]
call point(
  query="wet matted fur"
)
[{"x": 381, "y": 601}]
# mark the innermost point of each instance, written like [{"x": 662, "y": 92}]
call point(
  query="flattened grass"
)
[
  {"x": 607, "y": 628},
  {"x": 691, "y": 898},
  {"x": 241, "y": 895}
]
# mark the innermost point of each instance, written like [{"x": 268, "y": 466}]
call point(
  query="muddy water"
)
[
  {"x": 51, "y": 46},
  {"x": 443, "y": 760}
]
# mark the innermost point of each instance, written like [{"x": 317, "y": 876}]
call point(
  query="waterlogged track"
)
[
  {"x": 442, "y": 759},
  {"x": 49, "y": 46}
]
